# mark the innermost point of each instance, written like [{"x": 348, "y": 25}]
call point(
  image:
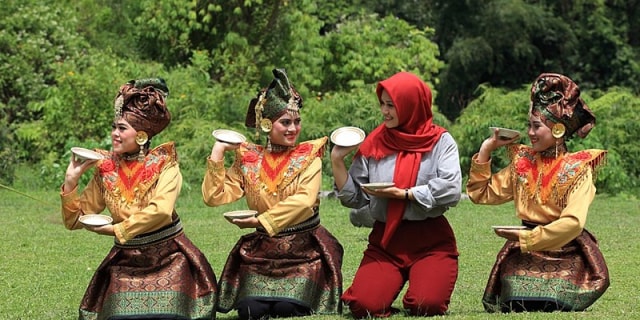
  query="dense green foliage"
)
[
  {"x": 509, "y": 42},
  {"x": 62, "y": 61}
]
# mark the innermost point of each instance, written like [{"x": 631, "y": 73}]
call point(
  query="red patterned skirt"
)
[
  {"x": 569, "y": 279},
  {"x": 303, "y": 267},
  {"x": 162, "y": 275}
]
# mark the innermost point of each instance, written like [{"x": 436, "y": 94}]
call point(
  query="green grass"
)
[{"x": 45, "y": 268}]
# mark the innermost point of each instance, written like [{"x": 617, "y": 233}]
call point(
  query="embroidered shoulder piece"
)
[
  {"x": 544, "y": 179},
  {"x": 126, "y": 182},
  {"x": 274, "y": 171}
]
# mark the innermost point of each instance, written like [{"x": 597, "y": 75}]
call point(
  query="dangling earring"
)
[
  {"x": 141, "y": 139},
  {"x": 557, "y": 132},
  {"x": 269, "y": 146}
]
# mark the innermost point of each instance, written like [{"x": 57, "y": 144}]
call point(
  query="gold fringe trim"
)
[
  {"x": 290, "y": 166},
  {"x": 120, "y": 196},
  {"x": 574, "y": 168}
]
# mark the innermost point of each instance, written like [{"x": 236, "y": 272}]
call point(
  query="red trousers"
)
[{"x": 422, "y": 253}]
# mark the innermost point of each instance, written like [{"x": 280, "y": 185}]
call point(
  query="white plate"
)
[
  {"x": 378, "y": 185},
  {"x": 86, "y": 154},
  {"x": 240, "y": 214},
  {"x": 509, "y": 227},
  {"x": 347, "y": 136},
  {"x": 505, "y": 134},
  {"x": 95, "y": 219},
  {"x": 228, "y": 136}
]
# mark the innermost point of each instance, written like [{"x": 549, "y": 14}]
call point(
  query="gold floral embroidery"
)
[
  {"x": 274, "y": 171},
  {"x": 545, "y": 179},
  {"x": 128, "y": 181}
]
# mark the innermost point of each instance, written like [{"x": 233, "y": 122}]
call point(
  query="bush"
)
[
  {"x": 616, "y": 130},
  {"x": 494, "y": 107},
  {"x": 7, "y": 157},
  {"x": 35, "y": 37}
]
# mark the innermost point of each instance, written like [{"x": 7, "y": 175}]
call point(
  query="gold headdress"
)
[{"x": 272, "y": 102}]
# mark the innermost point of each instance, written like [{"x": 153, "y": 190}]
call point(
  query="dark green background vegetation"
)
[{"x": 62, "y": 61}]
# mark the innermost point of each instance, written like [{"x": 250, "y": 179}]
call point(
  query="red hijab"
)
[{"x": 414, "y": 135}]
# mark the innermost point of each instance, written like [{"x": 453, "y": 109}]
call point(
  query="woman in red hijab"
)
[{"x": 411, "y": 240}]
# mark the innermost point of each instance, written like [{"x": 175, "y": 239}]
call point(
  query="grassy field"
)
[{"x": 45, "y": 268}]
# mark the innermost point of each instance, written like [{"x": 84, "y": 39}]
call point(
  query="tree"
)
[
  {"x": 508, "y": 43},
  {"x": 35, "y": 37}
]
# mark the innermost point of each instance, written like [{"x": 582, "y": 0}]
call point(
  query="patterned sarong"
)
[
  {"x": 162, "y": 278},
  {"x": 303, "y": 267},
  {"x": 569, "y": 279}
]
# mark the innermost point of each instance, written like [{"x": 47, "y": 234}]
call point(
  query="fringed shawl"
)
[
  {"x": 552, "y": 179},
  {"x": 128, "y": 182},
  {"x": 273, "y": 172}
]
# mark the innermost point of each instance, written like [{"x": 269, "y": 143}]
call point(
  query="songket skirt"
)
[
  {"x": 569, "y": 279},
  {"x": 301, "y": 267},
  {"x": 167, "y": 279}
]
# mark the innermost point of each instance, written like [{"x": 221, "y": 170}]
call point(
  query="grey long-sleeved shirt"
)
[{"x": 437, "y": 188}]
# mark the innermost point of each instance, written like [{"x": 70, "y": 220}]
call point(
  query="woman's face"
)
[
  {"x": 285, "y": 130},
  {"x": 539, "y": 134},
  {"x": 123, "y": 137},
  {"x": 389, "y": 113}
]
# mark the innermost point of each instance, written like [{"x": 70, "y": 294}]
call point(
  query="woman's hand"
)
[
  {"x": 338, "y": 153},
  {"x": 75, "y": 169},
  {"x": 106, "y": 230},
  {"x": 251, "y": 222},
  {"x": 509, "y": 234},
  {"x": 340, "y": 173},
  {"x": 492, "y": 143},
  {"x": 390, "y": 192},
  {"x": 219, "y": 148}
]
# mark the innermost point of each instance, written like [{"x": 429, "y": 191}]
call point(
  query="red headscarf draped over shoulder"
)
[
  {"x": 415, "y": 131},
  {"x": 414, "y": 135}
]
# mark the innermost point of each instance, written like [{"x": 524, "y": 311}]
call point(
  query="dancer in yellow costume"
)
[
  {"x": 290, "y": 265},
  {"x": 153, "y": 270},
  {"x": 554, "y": 264}
]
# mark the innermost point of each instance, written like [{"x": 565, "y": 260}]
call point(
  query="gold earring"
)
[
  {"x": 141, "y": 139},
  {"x": 558, "y": 130},
  {"x": 266, "y": 125}
]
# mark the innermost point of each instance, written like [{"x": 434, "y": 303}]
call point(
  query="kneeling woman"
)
[
  {"x": 290, "y": 265},
  {"x": 153, "y": 271},
  {"x": 554, "y": 264}
]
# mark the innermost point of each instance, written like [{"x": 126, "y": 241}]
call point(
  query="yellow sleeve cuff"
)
[
  {"x": 268, "y": 225},
  {"x": 526, "y": 240},
  {"x": 121, "y": 233},
  {"x": 479, "y": 166},
  {"x": 215, "y": 165},
  {"x": 68, "y": 197}
]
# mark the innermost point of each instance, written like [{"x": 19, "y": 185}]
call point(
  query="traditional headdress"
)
[
  {"x": 142, "y": 103},
  {"x": 272, "y": 102},
  {"x": 557, "y": 99}
]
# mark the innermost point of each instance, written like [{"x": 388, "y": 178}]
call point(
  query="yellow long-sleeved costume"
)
[
  {"x": 292, "y": 257},
  {"x": 282, "y": 187},
  {"x": 553, "y": 193},
  {"x": 152, "y": 256},
  {"x": 140, "y": 195}
]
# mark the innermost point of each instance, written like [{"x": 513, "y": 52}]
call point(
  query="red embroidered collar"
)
[
  {"x": 274, "y": 171},
  {"x": 128, "y": 181},
  {"x": 543, "y": 178}
]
